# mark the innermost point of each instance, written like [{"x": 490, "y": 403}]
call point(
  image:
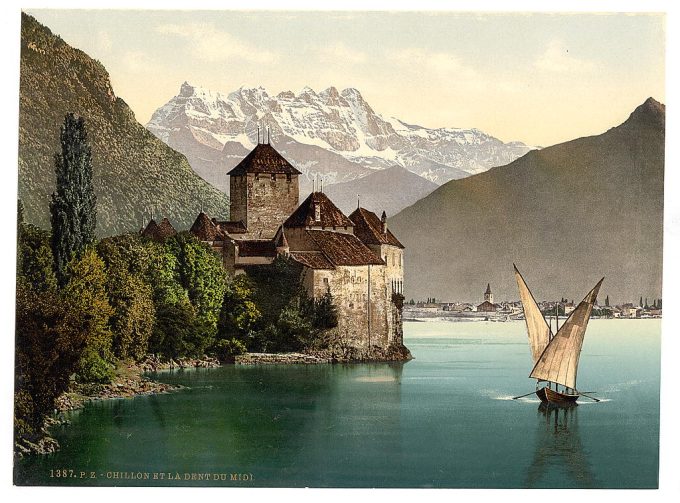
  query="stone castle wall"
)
[
  {"x": 263, "y": 201},
  {"x": 365, "y": 315}
]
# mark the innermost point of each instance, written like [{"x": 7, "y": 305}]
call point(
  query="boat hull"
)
[{"x": 547, "y": 395}]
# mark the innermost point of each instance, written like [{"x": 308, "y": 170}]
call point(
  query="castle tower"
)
[
  {"x": 264, "y": 191},
  {"x": 488, "y": 296}
]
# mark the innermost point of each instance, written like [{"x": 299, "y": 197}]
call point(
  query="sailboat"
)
[{"x": 555, "y": 356}]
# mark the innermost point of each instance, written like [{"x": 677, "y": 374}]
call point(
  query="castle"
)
[{"x": 356, "y": 258}]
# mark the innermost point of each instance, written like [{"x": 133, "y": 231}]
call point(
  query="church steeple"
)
[{"x": 488, "y": 296}]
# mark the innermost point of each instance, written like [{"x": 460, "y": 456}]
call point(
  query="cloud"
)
[
  {"x": 210, "y": 44},
  {"x": 341, "y": 53},
  {"x": 556, "y": 59},
  {"x": 442, "y": 64}
]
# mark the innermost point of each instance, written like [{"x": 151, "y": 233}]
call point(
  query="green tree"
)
[
  {"x": 49, "y": 343},
  {"x": 128, "y": 276},
  {"x": 203, "y": 276},
  {"x": 34, "y": 258},
  {"x": 239, "y": 314},
  {"x": 86, "y": 291},
  {"x": 73, "y": 205},
  {"x": 134, "y": 314},
  {"x": 178, "y": 332}
]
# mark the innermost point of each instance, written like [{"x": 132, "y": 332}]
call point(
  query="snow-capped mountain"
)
[{"x": 330, "y": 134}]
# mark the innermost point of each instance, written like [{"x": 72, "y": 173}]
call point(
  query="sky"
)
[{"x": 538, "y": 78}]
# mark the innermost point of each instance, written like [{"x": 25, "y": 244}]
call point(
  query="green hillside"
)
[{"x": 133, "y": 170}]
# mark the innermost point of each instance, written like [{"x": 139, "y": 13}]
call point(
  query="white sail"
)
[
  {"x": 537, "y": 328},
  {"x": 559, "y": 361}
]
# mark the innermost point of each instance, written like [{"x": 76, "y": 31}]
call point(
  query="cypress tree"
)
[{"x": 73, "y": 206}]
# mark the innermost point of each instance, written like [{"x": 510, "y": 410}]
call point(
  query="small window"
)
[
  {"x": 257, "y": 176},
  {"x": 273, "y": 177},
  {"x": 325, "y": 281},
  {"x": 288, "y": 177},
  {"x": 351, "y": 305}
]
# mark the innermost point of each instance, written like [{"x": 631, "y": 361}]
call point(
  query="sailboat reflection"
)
[{"x": 559, "y": 459}]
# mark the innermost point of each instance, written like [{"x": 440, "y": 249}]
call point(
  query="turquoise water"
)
[{"x": 444, "y": 419}]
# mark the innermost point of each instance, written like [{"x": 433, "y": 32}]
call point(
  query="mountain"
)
[
  {"x": 335, "y": 135},
  {"x": 566, "y": 215},
  {"x": 391, "y": 190},
  {"x": 133, "y": 170}
]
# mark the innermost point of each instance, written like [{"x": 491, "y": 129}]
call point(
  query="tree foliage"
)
[
  {"x": 34, "y": 258},
  {"x": 49, "y": 342},
  {"x": 73, "y": 205},
  {"x": 86, "y": 291},
  {"x": 202, "y": 275},
  {"x": 179, "y": 332}
]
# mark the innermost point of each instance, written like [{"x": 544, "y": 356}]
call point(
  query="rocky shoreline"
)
[
  {"x": 337, "y": 355},
  {"x": 127, "y": 382}
]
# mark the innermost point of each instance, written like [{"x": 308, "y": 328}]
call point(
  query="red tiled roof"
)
[
  {"x": 344, "y": 249},
  {"x": 256, "y": 248},
  {"x": 330, "y": 215},
  {"x": 166, "y": 229},
  {"x": 367, "y": 227},
  {"x": 312, "y": 259},
  {"x": 263, "y": 159},
  {"x": 205, "y": 229},
  {"x": 160, "y": 231}
]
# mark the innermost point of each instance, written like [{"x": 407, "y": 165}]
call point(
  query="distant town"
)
[{"x": 512, "y": 310}]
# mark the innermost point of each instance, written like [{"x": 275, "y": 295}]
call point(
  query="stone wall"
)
[
  {"x": 364, "y": 307},
  {"x": 263, "y": 201}
]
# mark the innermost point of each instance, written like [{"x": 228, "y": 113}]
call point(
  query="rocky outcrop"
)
[{"x": 346, "y": 354}]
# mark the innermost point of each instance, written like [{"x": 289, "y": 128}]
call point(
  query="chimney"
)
[{"x": 383, "y": 223}]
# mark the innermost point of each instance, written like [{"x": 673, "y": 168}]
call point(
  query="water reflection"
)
[{"x": 559, "y": 450}]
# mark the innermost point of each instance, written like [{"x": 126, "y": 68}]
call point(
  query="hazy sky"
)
[{"x": 539, "y": 78}]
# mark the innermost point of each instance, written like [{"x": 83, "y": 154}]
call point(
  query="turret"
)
[{"x": 282, "y": 247}]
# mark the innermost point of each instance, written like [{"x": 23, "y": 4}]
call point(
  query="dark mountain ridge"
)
[{"x": 566, "y": 215}]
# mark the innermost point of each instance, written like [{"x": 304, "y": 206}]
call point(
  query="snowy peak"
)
[{"x": 341, "y": 123}]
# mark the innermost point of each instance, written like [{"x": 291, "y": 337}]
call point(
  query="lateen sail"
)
[
  {"x": 537, "y": 328},
  {"x": 559, "y": 361}
]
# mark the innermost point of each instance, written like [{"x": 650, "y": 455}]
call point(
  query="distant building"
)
[{"x": 487, "y": 306}]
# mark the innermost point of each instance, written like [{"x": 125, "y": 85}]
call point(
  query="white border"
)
[{"x": 670, "y": 447}]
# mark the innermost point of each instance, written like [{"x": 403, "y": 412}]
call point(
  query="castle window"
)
[
  {"x": 325, "y": 281},
  {"x": 257, "y": 176},
  {"x": 351, "y": 305},
  {"x": 273, "y": 177},
  {"x": 288, "y": 177}
]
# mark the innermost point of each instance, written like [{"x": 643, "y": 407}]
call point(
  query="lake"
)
[{"x": 444, "y": 419}]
